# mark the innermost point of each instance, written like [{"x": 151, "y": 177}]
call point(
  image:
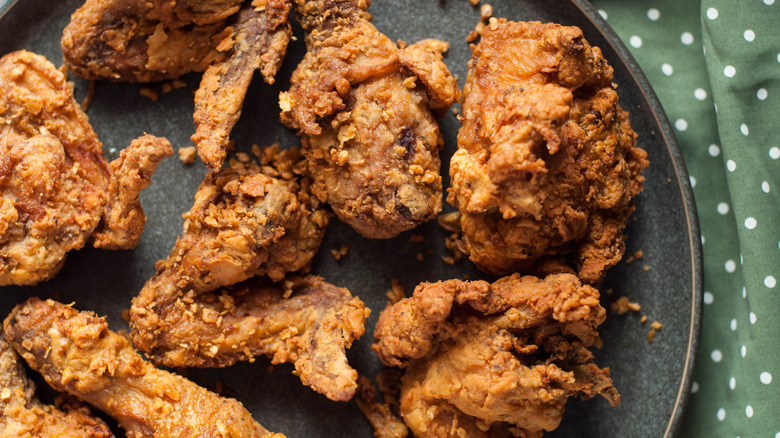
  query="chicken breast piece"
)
[
  {"x": 547, "y": 166},
  {"x": 77, "y": 353},
  {"x": 365, "y": 111},
  {"x": 497, "y": 359}
]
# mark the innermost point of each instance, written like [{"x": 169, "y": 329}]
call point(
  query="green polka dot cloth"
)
[{"x": 715, "y": 65}]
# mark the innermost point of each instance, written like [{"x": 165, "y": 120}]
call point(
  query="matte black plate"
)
[{"x": 653, "y": 378}]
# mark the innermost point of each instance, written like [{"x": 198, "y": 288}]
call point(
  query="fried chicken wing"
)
[
  {"x": 55, "y": 182},
  {"x": 77, "y": 353},
  {"x": 312, "y": 328},
  {"x": 547, "y": 165},
  {"x": 142, "y": 41},
  {"x": 22, "y": 415},
  {"x": 364, "y": 109},
  {"x": 260, "y": 42},
  {"x": 487, "y": 360}
]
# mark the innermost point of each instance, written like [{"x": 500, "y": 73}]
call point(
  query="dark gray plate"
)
[{"x": 653, "y": 378}]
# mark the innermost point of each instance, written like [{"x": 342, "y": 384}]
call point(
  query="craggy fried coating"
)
[
  {"x": 363, "y": 108},
  {"x": 123, "y": 218},
  {"x": 22, "y": 415},
  {"x": 55, "y": 183},
  {"x": 77, "y": 353},
  {"x": 302, "y": 320},
  {"x": 547, "y": 165},
  {"x": 142, "y": 41},
  {"x": 381, "y": 416},
  {"x": 260, "y": 42},
  {"x": 497, "y": 359}
]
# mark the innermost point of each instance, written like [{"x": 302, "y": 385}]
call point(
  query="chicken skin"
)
[
  {"x": 56, "y": 187},
  {"x": 547, "y": 165},
  {"x": 77, "y": 353},
  {"x": 22, "y": 415},
  {"x": 259, "y": 42},
  {"x": 492, "y": 360},
  {"x": 365, "y": 111},
  {"x": 303, "y": 320},
  {"x": 142, "y": 41}
]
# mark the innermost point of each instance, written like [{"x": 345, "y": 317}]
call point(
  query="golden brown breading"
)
[
  {"x": 547, "y": 163},
  {"x": 260, "y": 42},
  {"x": 77, "y": 353},
  {"x": 495, "y": 359},
  {"x": 55, "y": 182},
  {"x": 363, "y": 108},
  {"x": 123, "y": 218},
  {"x": 381, "y": 416},
  {"x": 142, "y": 41},
  {"x": 311, "y": 328},
  {"x": 22, "y": 415}
]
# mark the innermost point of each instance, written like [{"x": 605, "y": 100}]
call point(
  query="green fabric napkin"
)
[{"x": 715, "y": 66}]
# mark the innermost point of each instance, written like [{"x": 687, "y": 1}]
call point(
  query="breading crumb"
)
[
  {"x": 88, "y": 98},
  {"x": 654, "y": 327},
  {"x": 420, "y": 256},
  {"x": 450, "y": 221},
  {"x": 417, "y": 238},
  {"x": 448, "y": 260},
  {"x": 622, "y": 306},
  {"x": 396, "y": 292},
  {"x": 187, "y": 154},
  {"x": 341, "y": 252},
  {"x": 149, "y": 94},
  {"x": 639, "y": 254},
  {"x": 646, "y": 268},
  {"x": 644, "y": 319},
  {"x": 126, "y": 315},
  {"x": 474, "y": 2}
]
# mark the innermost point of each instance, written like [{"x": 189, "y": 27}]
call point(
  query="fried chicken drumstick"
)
[
  {"x": 77, "y": 353},
  {"x": 364, "y": 110},
  {"x": 493, "y": 360},
  {"x": 57, "y": 188},
  {"x": 547, "y": 165},
  {"x": 22, "y": 415},
  {"x": 245, "y": 224}
]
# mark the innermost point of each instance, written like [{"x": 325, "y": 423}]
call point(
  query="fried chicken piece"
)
[
  {"x": 363, "y": 108},
  {"x": 22, "y": 415},
  {"x": 499, "y": 359},
  {"x": 77, "y": 353},
  {"x": 382, "y": 418},
  {"x": 123, "y": 218},
  {"x": 260, "y": 42},
  {"x": 142, "y": 41},
  {"x": 311, "y": 328},
  {"x": 55, "y": 182},
  {"x": 547, "y": 165}
]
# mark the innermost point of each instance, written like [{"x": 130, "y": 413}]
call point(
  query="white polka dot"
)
[
  {"x": 769, "y": 2},
  {"x": 729, "y": 71},
  {"x": 774, "y": 153},
  {"x": 743, "y": 128},
  {"x": 749, "y": 35},
  {"x": 731, "y": 165},
  {"x": 778, "y": 57},
  {"x": 653, "y": 14},
  {"x": 765, "y": 187},
  {"x": 714, "y": 150},
  {"x": 686, "y": 38},
  {"x": 749, "y": 411},
  {"x": 681, "y": 124},
  {"x": 700, "y": 93},
  {"x": 732, "y": 383},
  {"x": 733, "y": 324},
  {"x": 762, "y": 94},
  {"x": 721, "y": 414},
  {"x": 744, "y": 292},
  {"x": 750, "y": 223},
  {"x": 704, "y": 240},
  {"x": 603, "y": 14},
  {"x": 693, "y": 181},
  {"x": 766, "y": 378},
  {"x": 712, "y": 13},
  {"x": 667, "y": 69},
  {"x": 730, "y": 266},
  {"x": 635, "y": 42},
  {"x": 708, "y": 298},
  {"x": 723, "y": 208},
  {"x": 716, "y": 356},
  {"x": 740, "y": 260},
  {"x": 694, "y": 387},
  {"x": 770, "y": 281},
  {"x": 743, "y": 351},
  {"x": 777, "y": 435},
  {"x": 752, "y": 318}
]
